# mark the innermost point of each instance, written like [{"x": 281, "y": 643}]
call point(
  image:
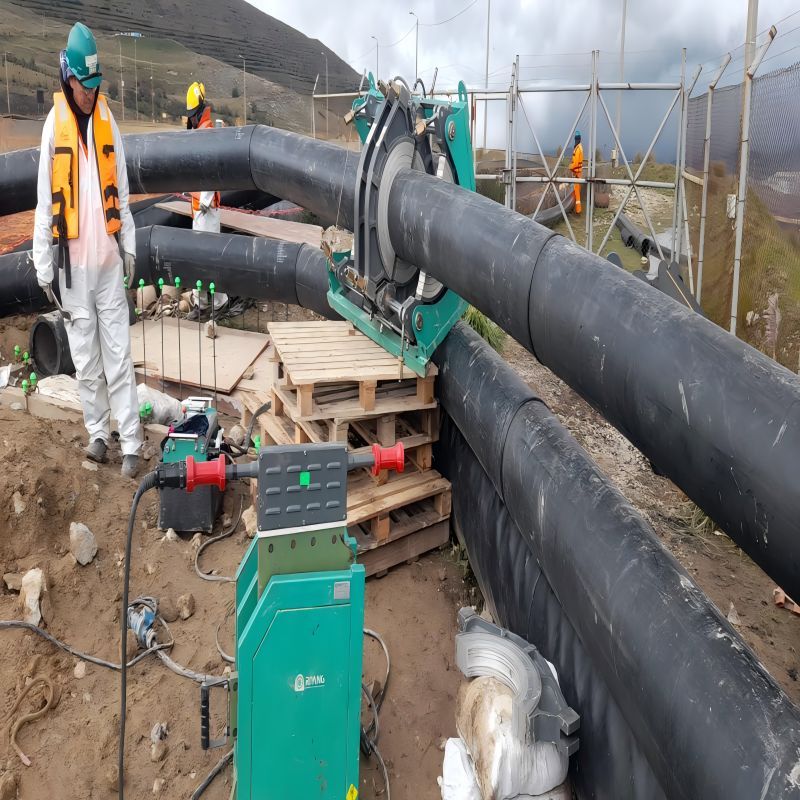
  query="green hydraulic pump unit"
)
[
  {"x": 197, "y": 434},
  {"x": 294, "y": 700},
  {"x": 393, "y": 302}
]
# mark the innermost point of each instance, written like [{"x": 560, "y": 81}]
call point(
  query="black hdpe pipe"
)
[
  {"x": 290, "y": 167},
  {"x": 632, "y": 236},
  {"x": 282, "y": 272},
  {"x": 720, "y": 419},
  {"x": 19, "y": 289},
  {"x": 713, "y": 414},
  {"x": 704, "y": 713},
  {"x": 49, "y": 346},
  {"x": 617, "y": 585},
  {"x": 266, "y": 269}
]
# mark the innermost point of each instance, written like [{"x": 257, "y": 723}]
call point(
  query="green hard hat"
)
[{"x": 82, "y": 56}]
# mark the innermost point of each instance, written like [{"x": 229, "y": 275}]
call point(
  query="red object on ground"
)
[
  {"x": 388, "y": 458},
  {"x": 205, "y": 473}
]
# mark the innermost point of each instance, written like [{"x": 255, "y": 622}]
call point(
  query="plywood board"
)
[
  {"x": 235, "y": 351},
  {"x": 270, "y": 228}
]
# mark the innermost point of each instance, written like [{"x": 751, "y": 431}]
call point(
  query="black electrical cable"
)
[
  {"x": 220, "y": 765},
  {"x": 8, "y": 624},
  {"x": 261, "y": 409},
  {"x": 207, "y": 576},
  {"x": 148, "y": 482}
]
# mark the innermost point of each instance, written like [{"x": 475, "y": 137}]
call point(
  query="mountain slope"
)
[{"x": 221, "y": 29}]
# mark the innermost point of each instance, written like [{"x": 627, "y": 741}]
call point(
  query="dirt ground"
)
[
  {"x": 719, "y": 567},
  {"x": 414, "y": 608},
  {"x": 74, "y": 745}
]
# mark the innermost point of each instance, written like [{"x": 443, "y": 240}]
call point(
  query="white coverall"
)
[
  {"x": 208, "y": 222},
  {"x": 99, "y": 333}
]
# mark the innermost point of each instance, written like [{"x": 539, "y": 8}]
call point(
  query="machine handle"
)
[
  {"x": 205, "y": 473},
  {"x": 380, "y": 458},
  {"x": 205, "y": 716},
  {"x": 206, "y": 742}
]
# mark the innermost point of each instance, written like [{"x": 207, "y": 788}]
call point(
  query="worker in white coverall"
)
[
  {"x": 205, "y": 205},
  {"x": 83, "y": 203}
]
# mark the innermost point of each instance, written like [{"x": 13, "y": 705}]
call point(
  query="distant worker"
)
[
  {"x": 83, "y": 203},
  {"x": 205, "y": 205},
  {"x": 576, "y": 168}
]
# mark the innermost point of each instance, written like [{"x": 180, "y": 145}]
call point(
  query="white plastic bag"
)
[
  {"x": 505, "y": 767},
  {"x": 458, "y": 777},
  {"x": 165, "y": 409}
]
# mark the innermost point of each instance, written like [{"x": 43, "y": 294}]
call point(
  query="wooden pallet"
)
[
  {"x": 330, "y": 383},
  {"x": 308, "y": 355}
]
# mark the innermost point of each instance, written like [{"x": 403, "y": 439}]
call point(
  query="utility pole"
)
[
  {"x": 377, "y": 57},
  {"x": 136, "y": 77},
  {"x": 416, "y": 49},
  {"x": 244, "y": 85},
  {"x": 313, "y": 109},
  {"x": 486, "y": 102},
  {"x": 325, "y": 56},
  {"x": 750, "y": 37},
  {"x": 121, "y": 78},
  {"x": 8, "y": 92},
  {"x": 621, "y": 67}
]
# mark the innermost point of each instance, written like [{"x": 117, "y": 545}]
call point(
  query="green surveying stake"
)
[
  {"x": 140, "y": 311},
  {"x": 199, "y": 287},
  {"x": 161, "y": 302},
  {"x": 178, "y": 317},
  {"x": 212, "y": 288}
]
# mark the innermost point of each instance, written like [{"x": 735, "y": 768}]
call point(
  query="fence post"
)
[
  {"x": 706, "y": 160},
  {"x": 744, "y": 157},
  {"x": 590, "y": 166}
]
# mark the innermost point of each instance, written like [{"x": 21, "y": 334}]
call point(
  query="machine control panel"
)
[{"x": 300, "y": 485}]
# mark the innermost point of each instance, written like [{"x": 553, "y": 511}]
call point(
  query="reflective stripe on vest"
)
[
  {"x": 205, "y": 122},
  {"x": 64, "y": 173}
]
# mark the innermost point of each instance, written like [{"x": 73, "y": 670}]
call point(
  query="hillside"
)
[{"x": 221, "y": 29}]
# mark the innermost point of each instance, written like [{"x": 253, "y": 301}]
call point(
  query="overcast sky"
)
[{"x": 554, "y": 41}]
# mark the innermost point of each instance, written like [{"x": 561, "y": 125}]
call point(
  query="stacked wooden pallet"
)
[{"x": 330, "y": 383}]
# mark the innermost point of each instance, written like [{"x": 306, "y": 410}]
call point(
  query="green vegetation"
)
[{"x": 494, "y": 335}]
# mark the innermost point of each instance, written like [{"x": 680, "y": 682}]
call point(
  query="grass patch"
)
[{"x": 494, "y": 335}]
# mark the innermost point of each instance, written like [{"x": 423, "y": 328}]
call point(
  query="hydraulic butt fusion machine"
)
[
  {"x": 393, "y": 302},
  {"x": 294, "y": 701},
  {"x": 197, "y": 434}
]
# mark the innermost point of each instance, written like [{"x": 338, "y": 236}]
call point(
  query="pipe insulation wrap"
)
[
  {"x": 717, "y": 417},
  {"x": 709, "y": 719}
]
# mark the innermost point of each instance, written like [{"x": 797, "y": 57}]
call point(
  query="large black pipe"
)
[
  {"x": 710, "y": 720},
  {"x": 661, "y": 670},
  {"x": 719, "y": 418},
  {"x": 267, "y": 269},
  {"x": 716, "y": 416}
]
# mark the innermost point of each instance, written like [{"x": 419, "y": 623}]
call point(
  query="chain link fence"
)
[{"x": 769, "y": 290}]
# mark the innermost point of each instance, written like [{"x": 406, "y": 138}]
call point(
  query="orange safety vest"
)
[
  {"x": 64, "y": 172},
  {"x": 576, "y": 166},
  {"x": 205, "y": 122}
]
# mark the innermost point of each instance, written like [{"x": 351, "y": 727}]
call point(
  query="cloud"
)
[{"x": 554, "y": 41}]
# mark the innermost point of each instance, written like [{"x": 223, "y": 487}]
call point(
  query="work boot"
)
[
  {"x": 96, "y": 451},
  {"x": 130, "y": 466}
]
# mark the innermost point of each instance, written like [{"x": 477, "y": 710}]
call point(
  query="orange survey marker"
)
[{"x": 782, "y": 600}]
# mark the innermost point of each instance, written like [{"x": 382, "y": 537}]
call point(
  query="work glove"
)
[
  {"x": 48, "y": 292},
  {"x": 128, "y": 266}
]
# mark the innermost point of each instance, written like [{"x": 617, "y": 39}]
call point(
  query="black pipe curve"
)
[
  {"x": 720, "y": 419},
  {"x": 675, "y": 667}
]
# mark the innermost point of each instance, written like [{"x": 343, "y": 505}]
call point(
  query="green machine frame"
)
[{"x": 416, "y": 338}]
